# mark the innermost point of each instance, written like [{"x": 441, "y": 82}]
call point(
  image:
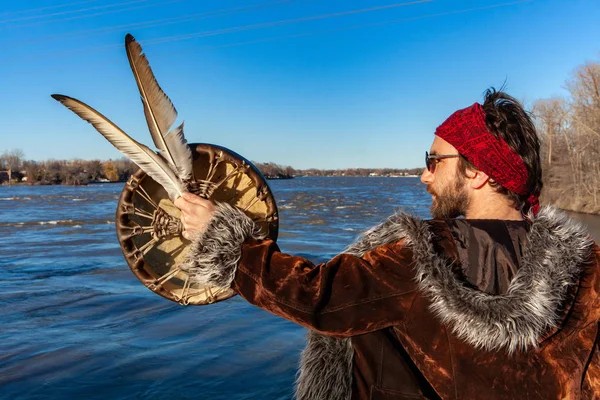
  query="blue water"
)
[{"x": 75, "y": 323}]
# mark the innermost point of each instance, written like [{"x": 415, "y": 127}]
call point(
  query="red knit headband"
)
[{"x": 466, "y": 130}]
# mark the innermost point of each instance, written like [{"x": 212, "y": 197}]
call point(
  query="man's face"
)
[{"x": 449, "y": 195}]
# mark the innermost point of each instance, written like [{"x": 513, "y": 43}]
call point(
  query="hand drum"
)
[{"x": 149, "y": 229}]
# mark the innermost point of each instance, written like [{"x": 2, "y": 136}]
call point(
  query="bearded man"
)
[{"x": 501, "y": 304}]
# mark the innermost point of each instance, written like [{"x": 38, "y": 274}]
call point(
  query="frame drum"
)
[{"x": 149, "y": 229}]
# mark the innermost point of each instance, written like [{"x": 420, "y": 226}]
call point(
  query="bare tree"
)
[
  {"x": 551, "y": 116},
  {"x": 12, "y": 160},
  {"x": 110, "y": 171},
  {"x": 570, "y": 130},
  {"x": 584, "y": 88}
]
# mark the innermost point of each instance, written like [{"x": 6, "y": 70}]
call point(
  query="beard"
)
[{"x": 451, "y": 201}]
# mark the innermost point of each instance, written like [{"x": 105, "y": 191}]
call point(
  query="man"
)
[{"x": 502, "y": 304}]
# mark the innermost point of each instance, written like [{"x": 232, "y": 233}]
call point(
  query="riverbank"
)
[
  {"x": 571, "y": 200},
  {"x": 591, "y": 221},
  {"x": 577, "y": 206}
]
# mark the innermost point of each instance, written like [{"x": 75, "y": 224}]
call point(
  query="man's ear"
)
[{"x": 477, "y": 179}]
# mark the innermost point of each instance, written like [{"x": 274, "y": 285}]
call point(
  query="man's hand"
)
[{"x": 196, "y": 212}]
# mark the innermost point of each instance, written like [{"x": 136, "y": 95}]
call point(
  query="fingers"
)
[
  {"x": 179, "y": 203},
  {"x": 194, "y": 199},
  {"x": 188, "y": 229},
  {"x": 196, "y": 213},
  {"x": 189, "y": 201}
]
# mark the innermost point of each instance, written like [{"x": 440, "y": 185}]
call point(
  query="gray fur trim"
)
[
  {"x": 552, "y": 261},
  {"x": 326, "y": 369},
  {"x": 326, "y": 362},
  {"x": 391, "y": 230},
  {"x": 214, "y": 255}
]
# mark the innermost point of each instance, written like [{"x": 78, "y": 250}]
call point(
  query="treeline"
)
[
  {"x": 56, "y": 172},
  {"x": 275, "y": 171},
  {"x": 14, "y": 169},
  {"x": 362, "y": 172},
  {"x": 570, "y": 131},
  {"x": 272, "y": 170}
]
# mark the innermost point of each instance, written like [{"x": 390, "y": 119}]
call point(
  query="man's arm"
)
[{"x": 344, "y": 297}]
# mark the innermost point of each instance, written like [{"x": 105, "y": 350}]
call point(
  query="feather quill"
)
[
  {"x": 160, "y": 112},
  {"x": 143, "y": 156}
]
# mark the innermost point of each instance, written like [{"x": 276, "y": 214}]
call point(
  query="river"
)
[{"x": 76, "y": 323}]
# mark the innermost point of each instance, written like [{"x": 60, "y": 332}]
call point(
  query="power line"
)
[
  {"x": 237, "y": 28},
  {"x": 47, "y": 7},
  {"x": 93, "y": 15},
  {"x": 227, "y": 30},
  {"x": 152, "y": 23},
  {"x": 271, "y": 39},
  {"x": 72, "y": 11},
  {"x": 279, "y": 23}
]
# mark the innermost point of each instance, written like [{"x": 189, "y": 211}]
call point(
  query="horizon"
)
[
  {"x": 253, "y": 162},
  {"x": 298, "y": 83}
]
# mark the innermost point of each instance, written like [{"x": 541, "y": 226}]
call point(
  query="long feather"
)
[
  {"x": 144, "y": 157},
  {"x": 159, "y": 111}
]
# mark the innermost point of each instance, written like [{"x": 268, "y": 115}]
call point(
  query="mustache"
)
[{"x": 430, "y": 190}]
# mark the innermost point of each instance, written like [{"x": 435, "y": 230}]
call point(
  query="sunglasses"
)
[{"x": 432, "y": 160}]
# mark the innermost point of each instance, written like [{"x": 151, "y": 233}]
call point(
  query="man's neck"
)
[{"x": 493, "y": 208}]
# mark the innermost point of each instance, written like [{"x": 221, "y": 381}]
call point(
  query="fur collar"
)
[{"x": 552, "y": 261}]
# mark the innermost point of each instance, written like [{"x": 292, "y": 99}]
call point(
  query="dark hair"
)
[{"x": 506, "y": 119}]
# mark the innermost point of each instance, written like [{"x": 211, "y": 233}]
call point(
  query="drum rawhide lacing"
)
[
  {"x": 205, "y": 187},
  {"x": 148, "y": 224},
  {"x": 162, "y": 224},
  {"x": 165, "y": 225}
]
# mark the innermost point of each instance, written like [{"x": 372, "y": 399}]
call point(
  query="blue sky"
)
[{"x": 306, "y": 83}]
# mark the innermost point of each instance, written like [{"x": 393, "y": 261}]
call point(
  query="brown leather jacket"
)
[{"x": 451, "y": 309}]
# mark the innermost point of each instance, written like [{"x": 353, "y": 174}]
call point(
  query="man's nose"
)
[{"x": 427, "y": 177}]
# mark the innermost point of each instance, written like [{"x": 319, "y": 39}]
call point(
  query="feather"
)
[
  {"x": 144, "y": 157},
  {"x": 160, "y": 112},
  {"x": 182, "y": 154}
]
